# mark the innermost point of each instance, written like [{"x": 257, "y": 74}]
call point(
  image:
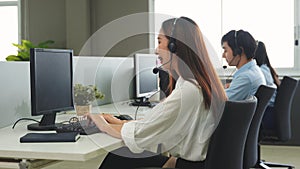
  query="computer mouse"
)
[{"x": 124, "y": 117}]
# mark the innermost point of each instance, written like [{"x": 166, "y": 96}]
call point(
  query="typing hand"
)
[
  {"x": 98, "y": 120},
  {"x": 227, "y": 85},
  {"x": 112, "y": 119}
]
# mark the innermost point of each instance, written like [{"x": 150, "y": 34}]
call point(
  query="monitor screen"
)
[
  {"x": 146, "y": 80},
  {"x": 51, "y": 77}
]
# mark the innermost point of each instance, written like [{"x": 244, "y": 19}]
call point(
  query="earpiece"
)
[
  {"x": 256, "y": 43},
  {"x": 172, "y": 45},
  {"x": 237, "y": 50}
]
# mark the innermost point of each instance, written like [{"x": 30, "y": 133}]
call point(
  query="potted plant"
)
[
  {"x": 84, "y": 95},
  {"x": 24, "y": 50}
]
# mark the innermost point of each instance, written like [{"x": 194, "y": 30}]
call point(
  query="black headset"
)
[
  {"x": 236, "y": 50},
  {"x": 172, "y": 41}
]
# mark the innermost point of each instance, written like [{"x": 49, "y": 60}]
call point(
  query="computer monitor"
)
[
  {"x": 51, "y": 83},
  {"x": 146, "y": 82}
]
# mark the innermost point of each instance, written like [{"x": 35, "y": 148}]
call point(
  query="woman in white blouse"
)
[{"x": 183, "y": 123}]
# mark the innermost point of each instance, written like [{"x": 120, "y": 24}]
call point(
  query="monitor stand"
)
[
  {"x": 143, "y": 101},
  {"x": 47, "y": 123}
]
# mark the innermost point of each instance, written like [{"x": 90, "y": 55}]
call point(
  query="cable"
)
[
  {"x": 135, "y": 114},
  {"x": 147, "y": 99},
  {"x": 24, "y": 119},
  {"x": 226, "y": 80}
]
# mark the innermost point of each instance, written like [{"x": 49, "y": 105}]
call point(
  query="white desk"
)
[{"x": 86, "y": 148}]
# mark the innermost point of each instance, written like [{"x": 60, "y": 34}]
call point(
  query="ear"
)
[{"x": 242, "y": 51}]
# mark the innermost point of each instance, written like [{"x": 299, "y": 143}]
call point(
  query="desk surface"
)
[{"x": 87, "y": 147}]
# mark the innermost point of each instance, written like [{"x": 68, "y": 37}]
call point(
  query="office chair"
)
[
  {"x": 280, "y": 131},
  {"x": 227, "y": 144},
  {"x": 263, "y": 95},
  {"x": 226, "y": 148}
]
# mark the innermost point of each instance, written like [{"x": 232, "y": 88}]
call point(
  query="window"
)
[
  {"x": 271, "y": 22},
  {"x": 9, "y": 29}
]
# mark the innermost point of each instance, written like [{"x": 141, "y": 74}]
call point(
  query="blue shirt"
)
[
  {"x": 269, "y": 80},
  {"x": 245, "y": 82}
]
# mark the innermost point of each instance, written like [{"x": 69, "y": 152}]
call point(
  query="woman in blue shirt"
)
[
  {"x": 269, "y": 72},
  {"x": 272, "y": 80}
]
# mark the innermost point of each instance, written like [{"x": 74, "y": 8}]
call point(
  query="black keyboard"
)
[
  {"x": 147, "y": 104},
  {"x": 81, "y": 127}
]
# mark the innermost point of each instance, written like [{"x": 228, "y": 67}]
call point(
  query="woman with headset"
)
[
  {"x": 262, "y": 60},
  {"x": 183, "y": 123}
]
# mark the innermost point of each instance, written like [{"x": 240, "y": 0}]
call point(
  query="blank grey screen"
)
[
  {"x": 148, "y": 80},
  {"x": 53, "y": 81}
]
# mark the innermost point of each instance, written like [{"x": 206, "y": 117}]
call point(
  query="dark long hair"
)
[
  {"x": 195, "y": 63},
  {"x": 261, "y": 58}
]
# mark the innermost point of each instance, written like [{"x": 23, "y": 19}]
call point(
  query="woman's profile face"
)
[{"x": 162, "y": 50}]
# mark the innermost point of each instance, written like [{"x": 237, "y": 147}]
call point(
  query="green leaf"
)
[
  {"x": 24, "y": 55},
  {"x": 86, "y": 94},
  {"x": 24, "y": 50},
  {"x": 13, "y": 58},
  {"x": 20, "y": 47},
  {"x": 27, "y": 44}
]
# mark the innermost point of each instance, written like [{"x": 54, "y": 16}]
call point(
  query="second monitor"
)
[{"x": 146, "y": 82}]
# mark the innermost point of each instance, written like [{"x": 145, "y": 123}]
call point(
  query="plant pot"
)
[{"x": 81, "y": 110}]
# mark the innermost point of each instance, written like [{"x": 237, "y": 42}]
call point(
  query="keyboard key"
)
[{"x": 81, "y": 127}]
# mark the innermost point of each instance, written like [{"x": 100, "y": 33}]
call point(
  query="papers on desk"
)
[{"x": 50, "y": 137}]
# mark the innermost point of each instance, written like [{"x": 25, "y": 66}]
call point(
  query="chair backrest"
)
[
  {"x": 227, "y": 144},
  {"x": 263, "y": 95},
  {"x": 282, "y": 107}
]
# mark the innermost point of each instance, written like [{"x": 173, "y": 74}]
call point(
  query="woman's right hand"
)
[
  {"x": 227, "y": 85},
  {"x": 112, "y": 119}
]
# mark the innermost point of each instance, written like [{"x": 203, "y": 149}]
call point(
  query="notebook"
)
[{"x": 50, "y": 137}]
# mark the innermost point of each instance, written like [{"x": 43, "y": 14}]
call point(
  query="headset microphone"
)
[
  {"x": 229, "y": 75},
  {"x": 157, "y": 69}
]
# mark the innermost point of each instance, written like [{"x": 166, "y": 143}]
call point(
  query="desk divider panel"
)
[{"x": 112, "y": 75}]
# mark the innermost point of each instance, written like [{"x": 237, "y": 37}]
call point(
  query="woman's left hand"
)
[{"x": 99, "y": 121}]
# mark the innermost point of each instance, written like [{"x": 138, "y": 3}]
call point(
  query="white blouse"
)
[{"x": 180, "y": 124}]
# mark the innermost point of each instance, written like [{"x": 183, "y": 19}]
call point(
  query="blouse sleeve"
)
[{"x": 167, "y": 123}]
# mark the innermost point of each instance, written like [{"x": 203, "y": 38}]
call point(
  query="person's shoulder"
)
[
  {"x": 192, "y": 84},
  {"x": 243, "y": 77},
  {"x": 190, "y": 87},
  {"x": 247, "y": 76},
  {"x": 264, "y": 66}
]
